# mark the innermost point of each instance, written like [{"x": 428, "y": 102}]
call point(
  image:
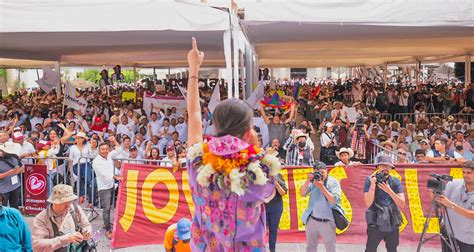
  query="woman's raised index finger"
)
[{"x": 194, "y": 44}]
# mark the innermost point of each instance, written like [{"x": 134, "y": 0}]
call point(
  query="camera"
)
[
  {"x": 318, "y": 176},
  {"x": 381, "y": 177},
  {"x": 438, "y": 184}
]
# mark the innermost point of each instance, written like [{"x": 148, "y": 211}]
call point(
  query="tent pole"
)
[
  {"x": 154, "y": 73},
  {"x": 134, "y": 73},
  {"x": 57, "y": 66},
  {"x": 385, "y": 75},
  {"x": 467, "y": 70},
  {"x": 417, "y": 73}
]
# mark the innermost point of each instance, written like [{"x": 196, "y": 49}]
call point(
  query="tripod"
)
[{"x": 446, "y": 230}]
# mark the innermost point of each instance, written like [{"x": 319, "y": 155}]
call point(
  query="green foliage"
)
[
  {"x": 3, "y": 73},
  {"x": 128, "y": 74},
  {"x": 90, "y": 75}
]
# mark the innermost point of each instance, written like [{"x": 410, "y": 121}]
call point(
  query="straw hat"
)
[
  {"x": 393, "y": 123},
  {"x": 62, "y": 194},
  {"x": 388, "y": 142},
  {"x": 345, "y": 150},
  {"x": 300, "y": 134},
  {"x": 11, "y": 148},
  {"x": 82, "y": 135}
]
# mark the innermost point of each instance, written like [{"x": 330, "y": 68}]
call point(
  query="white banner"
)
[
  {"x": 50, "y": 80},
  {"x": 162, "y": 102},
  {"x": 72, "y": 99},
  {"x": 215, "y": 98},
  {"x": 257, "y": 95}
]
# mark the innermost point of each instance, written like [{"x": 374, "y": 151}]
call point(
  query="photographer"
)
[
  {"x": 62, "y": 226},
  {"x": 458, "y": 198},
  {"x": 383, "y": 195},
  {"x": 325, "y": 194}
]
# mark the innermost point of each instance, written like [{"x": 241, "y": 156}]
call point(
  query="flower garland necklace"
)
[{"x": 234, "y": 169}]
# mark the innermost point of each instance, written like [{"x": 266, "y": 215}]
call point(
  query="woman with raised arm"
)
[{"x": 229, "y": 176}]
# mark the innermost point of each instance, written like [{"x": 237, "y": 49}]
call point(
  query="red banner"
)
[
  {"x": 35, "y": 188},
  {"x": 152, "y": 198}
]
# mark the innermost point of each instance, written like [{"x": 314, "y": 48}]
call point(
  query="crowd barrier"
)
[
  {"x": 152, "y": 198},
  {"x": 379, "y": 150},
  {"x": 467, "y": 116},
  {"x": 414, "y": 117}
]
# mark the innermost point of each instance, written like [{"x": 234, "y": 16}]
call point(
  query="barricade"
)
[
  {"x": 379, "y": 151},
  {"x": 466, "y": 116},
  {"x": 386, "y": 116},
  {"x": 414, "y": 116}
]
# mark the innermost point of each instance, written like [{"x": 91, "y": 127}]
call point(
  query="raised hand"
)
[{"x": 195, "y": 57}]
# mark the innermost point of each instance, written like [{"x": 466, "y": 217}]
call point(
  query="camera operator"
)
[
  {"x": 325, "y": 194},
  {"x": 383, "y": 194},
  {"x": 459, "y": 200}
]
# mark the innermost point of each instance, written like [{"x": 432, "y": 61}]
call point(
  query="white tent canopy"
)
[
  {"x": 133, "y": 33},
  {"x": 354, "y": 32}
]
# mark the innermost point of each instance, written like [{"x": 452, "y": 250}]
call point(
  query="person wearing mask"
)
[
  {"x": 324, "y": 195},
  {"x": 328, "y": 145},
  {"x": 274, "y": 209},
  {"x": 232, "y": 120},
  {"x": 458, "y": 198},
  {"x": 459, "y": 136},
  {"x": 10, "y": 168},
  {"x": 62, "y": 226},
  {"x": 383, "y": 199},
  {"x": 298, "y": 153},
  {"x": 460, "y": 154},
  {"x": 177, "y": 236}
]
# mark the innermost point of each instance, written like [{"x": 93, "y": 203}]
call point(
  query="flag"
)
[
  {"x": 215, "y": 98},
  {"x": 316, "y": 91},
  {"x": 50, "y": 80},
  {"x": 184, "y": 92},
  {"x": 73, "y": 99},
  {"x": 297, "y": 90},
  {"x": 256, "y": 95}
]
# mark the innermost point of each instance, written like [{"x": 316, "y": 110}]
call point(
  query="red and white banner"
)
[
  {"x": 35, "y": 188},
  {"x": 151, "y": 198}
]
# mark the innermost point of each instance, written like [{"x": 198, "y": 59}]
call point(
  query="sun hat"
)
[
  {"x": 388, "y": 142},
  {"x": 345, "y": 150},
  {"x": 384, "y": 160},
  {"x": 82, "y": 135},
  {"x": 300, "y": 134},
  {"x": 184, "y": 229},
  {"x": 62, "y": 194},
  {"x": 11, "y": 148}
]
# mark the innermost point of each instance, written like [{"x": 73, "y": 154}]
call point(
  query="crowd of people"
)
[{"x": 397, "y": 123}]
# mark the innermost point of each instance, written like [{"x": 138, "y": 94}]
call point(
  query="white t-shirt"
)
[
  {"x": 75, "y": 154},
  {"x": 326, "y": 138}
]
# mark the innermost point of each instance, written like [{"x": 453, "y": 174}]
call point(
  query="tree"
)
[
  {"x": 3, "y": 73},
  {"x": 90, "y": 75}
]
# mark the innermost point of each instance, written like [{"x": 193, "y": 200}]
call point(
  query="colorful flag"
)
[{"x": 316, "y": 91}]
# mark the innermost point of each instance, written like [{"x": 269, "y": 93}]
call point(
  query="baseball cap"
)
[
  {"x": 17, "y": 135},
  {"x": 169, "y": 148},
  {"x": 184, "y": 229}
]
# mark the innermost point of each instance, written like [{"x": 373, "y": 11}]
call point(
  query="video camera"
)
[
  {"x": 438, "y": 184},
  {"x": 360, "y": 125},
  {"x": 317, "y": 175}
]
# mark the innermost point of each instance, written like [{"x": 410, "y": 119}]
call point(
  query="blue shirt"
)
[
  {"x": 14, "y": 233},
  {"x": 8, "y": 184},
  {"x": 318, "y": 199},
  {"x": 384, "y": 198}
]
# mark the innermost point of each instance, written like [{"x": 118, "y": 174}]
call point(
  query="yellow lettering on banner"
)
[
  {"x": 187, "y": 192},
  {"x": 414, "y": 203},
  {"x": 131, "y": 185},
  {"x": 339, "y": 173},
  {"x": 299, "y": 177},
  {"x": 456, "y": 173},
  {"x": 165, "y": 214},
  {"x": 285, "y": 223},
  {"x": 395, "y": 174}
]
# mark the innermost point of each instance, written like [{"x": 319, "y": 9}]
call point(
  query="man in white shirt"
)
[
  {"x": 106, "y": 174},
  {"x": 182, "y": 128},
  {"x": 124, "y": 128},
  {"x": 27, "y": 149},
  {"x": 36, "y": 118}
]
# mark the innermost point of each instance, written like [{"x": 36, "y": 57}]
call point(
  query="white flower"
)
[
  {"x": 235, "y": 182},
  {"x": 204, "y": 173},
  {"x": 194, "y": 151},
  {"x": 260, "y": 178},
  {"x": 273, "y": 164}
]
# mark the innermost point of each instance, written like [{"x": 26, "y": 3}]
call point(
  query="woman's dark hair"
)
[{"x": 232, "y": 117}]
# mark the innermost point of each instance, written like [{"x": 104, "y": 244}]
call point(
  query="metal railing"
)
[
  {"x": 467, "y": 116},
  {"x": 413, "y": 117},
  {"x": 378, "y": 150}
]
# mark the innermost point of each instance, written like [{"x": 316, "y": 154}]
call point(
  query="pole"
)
[
  {"x": 417, "y": 73},
  {"x": 385, "y": 76},
  {"x": 57, "y": 66},
  {"x": 467, "y": 70},
  {"x": 134, "y": 73},
  {"x": 154, "y": 73}
]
